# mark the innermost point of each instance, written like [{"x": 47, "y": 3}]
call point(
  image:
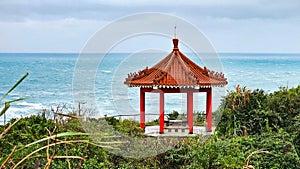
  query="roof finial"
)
[
  {"x": 175, "y": 31},
  {"x": 175, "y": 40}
]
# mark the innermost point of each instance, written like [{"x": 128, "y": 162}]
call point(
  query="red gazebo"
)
[{"x": 176, "y": 73}]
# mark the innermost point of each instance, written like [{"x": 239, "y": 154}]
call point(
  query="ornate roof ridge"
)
[{"x": 176, "y": 69}]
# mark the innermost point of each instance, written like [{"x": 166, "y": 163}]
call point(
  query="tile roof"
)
[{"x": 176, "y": 70}]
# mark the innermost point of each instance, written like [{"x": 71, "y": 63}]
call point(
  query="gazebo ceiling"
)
[{"x": 176, "y": 71}]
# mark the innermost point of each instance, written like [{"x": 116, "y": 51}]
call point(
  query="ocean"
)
[{"x": 50, "y": 81}]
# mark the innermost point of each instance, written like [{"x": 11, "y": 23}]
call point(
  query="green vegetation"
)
[
  {"x": 255, "y": 130},
  {"x": 173, "y": 116},
  {"x": 7, "y": 103}
]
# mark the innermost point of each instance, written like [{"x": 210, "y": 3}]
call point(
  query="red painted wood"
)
[
  {"x": 175, "y": 90},
  {"x": 178, "y": 71},
  {"x": 209, "y": 111},
  {"x": 142, "y": 109},
  {"x": 161, "y": 112},
  {"x": 190, "y": 106},
  {"x": 175, "y": 70},
  {"x": 190, "y": 110}
]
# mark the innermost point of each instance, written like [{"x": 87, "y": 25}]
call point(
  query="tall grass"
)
[
  {"x": 7, "y": 103},
  {"x": 55, "y": 138}
]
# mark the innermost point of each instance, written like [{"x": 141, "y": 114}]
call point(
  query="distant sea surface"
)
[{"x": 49, "y": 83}]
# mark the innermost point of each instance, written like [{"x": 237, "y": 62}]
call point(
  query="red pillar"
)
[
  {"x": 190, "y": 110},
  {"x": 209, "y": 110},
  {"x": 161, "y": 112},
  {"x": 142, "y": 109}
]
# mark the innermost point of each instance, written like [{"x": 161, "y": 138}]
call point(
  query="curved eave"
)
[
  {"x": 176, "y": 71},
  {"x": 177, "y": 86}
]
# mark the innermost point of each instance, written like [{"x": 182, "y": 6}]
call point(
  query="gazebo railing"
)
[
  {"x": 198, "y": 117},
  {"x": 136, "y": 117}
]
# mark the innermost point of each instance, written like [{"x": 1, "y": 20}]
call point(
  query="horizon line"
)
[{"x": 295, "y": 53}]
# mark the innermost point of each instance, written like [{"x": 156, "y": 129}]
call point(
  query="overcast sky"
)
[{"x": 230, "y": 25}]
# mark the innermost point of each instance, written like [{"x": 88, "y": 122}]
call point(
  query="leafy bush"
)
[
  {"x": 249, "y": 113},
  {"x": 233, "y": 152},
  {"x": 173, "y": 115},
  {"x": 259, "y": 128}
]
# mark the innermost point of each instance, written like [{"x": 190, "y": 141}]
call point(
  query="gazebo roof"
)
[{"x": 176, "y": 71}]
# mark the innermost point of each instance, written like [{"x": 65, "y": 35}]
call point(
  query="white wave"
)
[
  {"x": 23, "y": 108},
  {"x": 32, "y": 105},
  {"x": 14, "y": 112},
  {"x": 106, "y": 71}
]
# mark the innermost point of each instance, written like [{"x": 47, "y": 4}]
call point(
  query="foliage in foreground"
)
[
  {"x": 256, "y": 128},
  {"x": 255, "y": 113}
]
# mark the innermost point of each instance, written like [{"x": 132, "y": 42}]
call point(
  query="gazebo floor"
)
[{"x": 153, "y": 131}]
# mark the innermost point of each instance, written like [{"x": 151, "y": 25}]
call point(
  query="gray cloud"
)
[
  {"x": 231, "y": 25},
  {"x": 15, "y": 10}
]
